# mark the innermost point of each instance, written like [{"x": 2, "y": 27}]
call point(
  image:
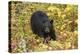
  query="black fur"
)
[{"x": 42, "y": 26}]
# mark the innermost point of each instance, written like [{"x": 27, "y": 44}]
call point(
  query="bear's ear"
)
[{"x": 51, "y": 21}]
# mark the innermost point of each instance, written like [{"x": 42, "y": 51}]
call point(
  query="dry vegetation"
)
[{"x": 65, "y": 23}]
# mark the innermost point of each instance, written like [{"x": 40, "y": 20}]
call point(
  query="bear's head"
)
[{"x": 47, "y": 26}]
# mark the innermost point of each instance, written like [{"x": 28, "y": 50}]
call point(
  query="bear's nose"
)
[{"x": 47, "y": 30}]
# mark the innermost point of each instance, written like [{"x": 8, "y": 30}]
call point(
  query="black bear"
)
[{"x": 42, "y": 26}]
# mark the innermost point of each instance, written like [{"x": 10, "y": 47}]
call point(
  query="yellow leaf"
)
[
  {"x": 67, "y": 45},
  {"x": 59, "y": 13},
  {"x": 63, "y": 16},
  {"x": 50, "y": 48},
  {"x": 51, "y": 8},
  {"x": 75, "y": 32},
  {"x": 68, "y": 8}
]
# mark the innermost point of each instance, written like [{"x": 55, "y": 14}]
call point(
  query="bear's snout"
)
[{"x": 47, "y": 30}]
